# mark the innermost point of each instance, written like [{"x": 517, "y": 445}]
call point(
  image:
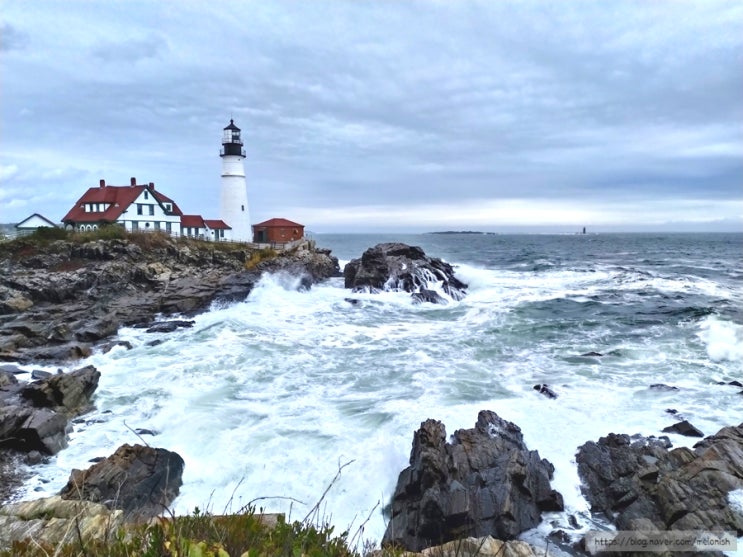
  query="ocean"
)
[{"x": 268, "y": 398}]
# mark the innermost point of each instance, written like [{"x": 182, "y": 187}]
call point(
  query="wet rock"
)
[
  {"x": 106, "y": 348},
  {"x": 397, "y": 266},
  {"x": 593, "y": 354},
  {"x": 169, "y": 326},
  {"x": 684, "y": 428},
  {"x": 641, "y": 484},
  {"x": 34, "y": 417},
  {"x": 429, "y": 296},
  {"x": 485, "y": 481},
  {"x": 545, "y": 390},
  {"x": 32, "y": 429},
  {"x": 40, "y": 374},
  {"x": 141, "y": 481},
  {"x": 663, "y": 387}
]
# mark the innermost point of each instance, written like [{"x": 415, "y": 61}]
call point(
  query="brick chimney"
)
[
  {"x": 133, "y": 181},
  {"x": 152, "y": 185},
  {"x": 102, "y": 183}
]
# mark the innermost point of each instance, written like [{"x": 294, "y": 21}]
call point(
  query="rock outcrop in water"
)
[
  {"x": 484, "y": 482},
  {"x": 397, "y": 266},
  {"x": 57, "y": 299},
  {"x": 639, "y": 484}
]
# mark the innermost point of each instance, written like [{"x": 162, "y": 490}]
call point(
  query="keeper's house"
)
[
  {"x": 277, "y": 231},
  {"x": 139, "y": 207}
]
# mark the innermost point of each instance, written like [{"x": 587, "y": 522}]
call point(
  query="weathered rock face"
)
[
  {"x": 141, "y": 481},
  {"x": 397, "y": 266},
  {"x": 485, "y": 482},
  {"x": 641, "y": 484},
  {"x": 57, "y": 299},
  {"x": 55, "y": 521},
  {"x": 35, "y": 416}
]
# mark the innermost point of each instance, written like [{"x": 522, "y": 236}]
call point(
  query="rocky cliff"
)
[{"x": 59, "y": 297}]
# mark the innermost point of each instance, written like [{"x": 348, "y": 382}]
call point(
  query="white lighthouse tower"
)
[{"x": 234, "y": 192}]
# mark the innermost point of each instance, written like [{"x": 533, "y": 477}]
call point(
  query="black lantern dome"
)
[{"x": 231, "y": 142}]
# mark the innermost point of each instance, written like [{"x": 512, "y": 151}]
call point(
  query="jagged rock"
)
[
  {"x": 640, "y": 484},
  {"x": 70, "y": 391},
  {"x": 55, "y": 521},
  {"x": 32, "y": 429},
  {"x": 396, "y": 266},
  {"x": 485, "y": 482},
  {"x": 34, "y": 417},
  {"x": 684, "y": 428},
  {"x": 141, "y": 481}
]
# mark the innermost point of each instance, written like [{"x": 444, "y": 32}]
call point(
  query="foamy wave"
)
[{"x": 724, "y": 339}]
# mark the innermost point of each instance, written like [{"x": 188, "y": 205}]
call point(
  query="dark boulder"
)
[
  {"x": 484, "y": 482},
  {"x": 545, "y": 390},
  {"x": 640, "y": 484},
  {"x": 683, "y": 428},
  {"x": 141, "y": 481},
  {"x": 399, "y": 267},
  {"x": 27, "y": 429}
]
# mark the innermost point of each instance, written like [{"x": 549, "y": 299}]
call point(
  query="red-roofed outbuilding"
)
[{"x": 277, "y": 230}]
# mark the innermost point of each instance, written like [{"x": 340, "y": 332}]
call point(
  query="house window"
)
[
  {"x": 157, "y": 225},
  {"x": 152, "y": 209},
  {"x": 221, "y": 233},
  {"x": 168, "y": 227},
  {"x": 135, "y": 225},
  {"x": 147, "y": 225},
  {"x": 146, "y": 196},
  {"x": 168, "y": 207},
  {"x": 242, "y": 207},
  {"x": 139, "y": 209}
]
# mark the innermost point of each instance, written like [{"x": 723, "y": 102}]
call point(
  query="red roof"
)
[
  {"x": 277, "y": 222},
  {"x": 193, "y": 221},
  {"x": 217, "y": 224},
  {"x": 119, "y": 198}
]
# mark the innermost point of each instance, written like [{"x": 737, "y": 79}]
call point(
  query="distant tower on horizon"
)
[{"x": 234, "y": 196}]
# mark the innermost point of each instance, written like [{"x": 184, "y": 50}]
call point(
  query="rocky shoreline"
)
[{"x": 60, "y": 301}]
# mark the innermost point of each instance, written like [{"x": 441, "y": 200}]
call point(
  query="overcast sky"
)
[{"x": 383, "y": 115}]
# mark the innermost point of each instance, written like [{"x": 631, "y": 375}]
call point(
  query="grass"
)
[
  {"x": 258, "y": 256},
  {"x": 42, "y": 238}
]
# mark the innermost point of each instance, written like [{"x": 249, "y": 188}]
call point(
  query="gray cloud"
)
[
  {"x": 12, "y": 38},
  {"x": 348, "y": 104}
]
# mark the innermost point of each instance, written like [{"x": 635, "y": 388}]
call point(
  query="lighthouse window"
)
[{"x": 242, "y": 207}]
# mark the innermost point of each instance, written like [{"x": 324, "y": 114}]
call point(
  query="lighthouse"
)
[{"x": 234, "y": 192}]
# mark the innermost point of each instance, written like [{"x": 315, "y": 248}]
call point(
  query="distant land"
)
[{"x": 463, "y": 232}]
